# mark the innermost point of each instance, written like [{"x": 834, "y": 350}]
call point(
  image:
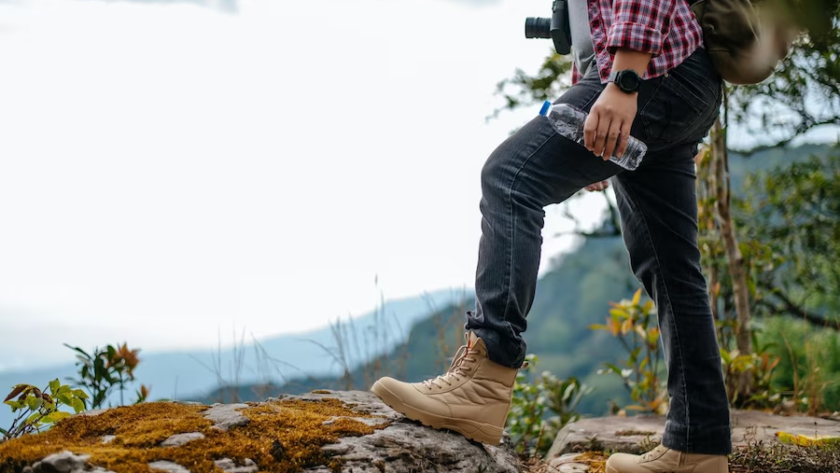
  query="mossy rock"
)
[{"x": 323, "y": 432}]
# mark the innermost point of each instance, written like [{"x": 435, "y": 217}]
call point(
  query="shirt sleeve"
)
[
  {"x": 640, "y": 25},
  {"x": 575, "y": 74}
]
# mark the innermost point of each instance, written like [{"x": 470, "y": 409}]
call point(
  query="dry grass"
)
[
  {"x": 781, "y": 458},
  {"x": 756, "y": 458}
]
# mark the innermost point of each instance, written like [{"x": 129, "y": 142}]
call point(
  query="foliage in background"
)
[
  {"x": 104, "y": 371},
  {"x": 523, "y": 90},
  {"x": 790, "y": 234},
  {"x": 759, "y": 366},
  {"x": 804, "y": 92},
  {"x": 808, "y": 374},
  {"x": 36, "y": 409},
  {"x": 794, "y": 212},
  {"x": 541, "y": 408},
  {"x": 635, "y": 325}
]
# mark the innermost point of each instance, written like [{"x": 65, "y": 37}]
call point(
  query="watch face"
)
[{"x": 629, "y": 81}]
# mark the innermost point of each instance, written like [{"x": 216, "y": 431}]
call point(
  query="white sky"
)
[{"x": 167, "y": 170}]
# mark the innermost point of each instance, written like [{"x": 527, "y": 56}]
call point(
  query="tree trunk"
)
[{"x": 737, "y": 269}]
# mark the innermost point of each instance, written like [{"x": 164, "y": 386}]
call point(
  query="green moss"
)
[{"x": 281, "y": 437}]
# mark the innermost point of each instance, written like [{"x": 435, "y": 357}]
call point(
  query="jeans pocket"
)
[{"x": 674, "y": 110}]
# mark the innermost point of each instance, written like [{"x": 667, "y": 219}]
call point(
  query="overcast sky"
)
[{"x": 168, "y": 169}]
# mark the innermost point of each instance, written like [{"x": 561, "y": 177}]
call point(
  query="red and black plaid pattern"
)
[{"x": 664, "y": 28}]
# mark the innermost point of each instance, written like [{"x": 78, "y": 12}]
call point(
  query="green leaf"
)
[
  {"x": 65, "y": 399},
  {"x": 55, "y": 417},
  {"x": 618, "y": 313},
  {"x": 80, "y": 394},
  {"x": 16, "y": 405},
  {"x": 613, "y": 369},
  {"x": 3, "y": 431},
  {"x": 78, "y": 405},
  {"x": 34, "y": 403},
  {"x": 33, "y": 419},
  {"x": 78, "y": 350},
  {"x": 55, "y": 385},
  {"x": 636, "y": 297}
]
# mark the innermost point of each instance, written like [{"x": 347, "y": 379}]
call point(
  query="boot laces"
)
[
  {"x": 656, "y": 452},
  {"x": 456, "y": 370}
]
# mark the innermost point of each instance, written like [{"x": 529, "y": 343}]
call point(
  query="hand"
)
[
  {"x": 598, "y": 186},
  {"x": 607, "y": 128}
]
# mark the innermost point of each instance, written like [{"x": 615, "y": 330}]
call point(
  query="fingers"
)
[
  {"x": 624, "y": 139},
  {"x": 598, "y": 186},
  {"x": 589, "y": 129},
  {"x": 612, "y": 139},
  {"x": 601, "y": 133}
]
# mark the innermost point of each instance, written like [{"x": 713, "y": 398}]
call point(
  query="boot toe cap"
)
[{"x": 624, "y": 463}]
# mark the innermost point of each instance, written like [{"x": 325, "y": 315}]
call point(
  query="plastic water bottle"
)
[{"x": 569, "y": 121}]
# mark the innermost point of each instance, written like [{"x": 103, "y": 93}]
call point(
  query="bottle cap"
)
[{"x": 544, "y": 110}]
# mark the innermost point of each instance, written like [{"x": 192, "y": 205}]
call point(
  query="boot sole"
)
[
  {"x": 484, "y": 433},
  {"x": 613, "y": 470}
]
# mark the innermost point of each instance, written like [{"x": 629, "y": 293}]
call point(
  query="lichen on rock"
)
[
  {"x": 326, "y": 431},
  {"x": 139, "y": 433}
]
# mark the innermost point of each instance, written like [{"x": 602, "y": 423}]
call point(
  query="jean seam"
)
[
  {"x": 512, "y": 225},
  {"x": 672, "y": 321},
  {"x": 645, "y": 106}
]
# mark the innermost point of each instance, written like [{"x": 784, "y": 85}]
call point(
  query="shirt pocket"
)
[{"x": 674, "y": 110}]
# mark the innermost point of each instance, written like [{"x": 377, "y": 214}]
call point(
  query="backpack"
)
[{"x": 744, "y": 41}]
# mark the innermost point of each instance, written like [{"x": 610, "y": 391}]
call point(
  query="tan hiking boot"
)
[
  {"x": 472, "y": 398},
  {"x": 664, "y": 460}
]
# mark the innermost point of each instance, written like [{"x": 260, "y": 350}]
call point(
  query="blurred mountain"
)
[
  {"x": 172, "y": 374},
  {"x": 574, "y": 294}
]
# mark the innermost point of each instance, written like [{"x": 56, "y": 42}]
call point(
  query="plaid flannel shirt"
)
[{"x": 667, "y": 29}]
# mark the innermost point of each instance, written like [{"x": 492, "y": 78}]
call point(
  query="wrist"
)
[
  {"x": 627, "y": 80},
  {"x": 613, "y": 88}
]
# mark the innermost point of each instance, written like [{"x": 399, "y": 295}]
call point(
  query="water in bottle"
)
[{"x": 569, "y": 121}]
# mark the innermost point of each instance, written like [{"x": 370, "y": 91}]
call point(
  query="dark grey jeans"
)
[{"x": 536, "y": 167}]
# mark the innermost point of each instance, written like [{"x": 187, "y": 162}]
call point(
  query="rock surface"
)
[
  {"x": 225, "y": 416},
  {"x": 371, "y": 438},
  {"x": 181, "y": 439},
  {"x": 638, "y": 434},
  {"x": 64, "y": 462},
  {"x": 406, "y": 445}
]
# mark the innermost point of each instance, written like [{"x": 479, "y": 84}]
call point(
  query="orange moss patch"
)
[
  {"x": 596, "y": 461},
  {"x": 281, "y": 437}
]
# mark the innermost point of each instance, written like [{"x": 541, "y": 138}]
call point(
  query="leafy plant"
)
[
  {"x": 759, "y": 367},
  {"x": 105, "y": 370},
  {"x": 635, "y": 325},
  {"x": 530, "y": 423},
  {"x": 37, "y": 409}
]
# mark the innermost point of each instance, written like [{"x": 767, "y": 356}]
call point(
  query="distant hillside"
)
[{"x": 573, "y": 295}]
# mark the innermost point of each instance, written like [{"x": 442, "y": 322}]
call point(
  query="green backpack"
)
[{"x": 744, "y": 42}]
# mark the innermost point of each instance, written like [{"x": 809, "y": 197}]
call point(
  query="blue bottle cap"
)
[{"x": 545, "y": 107}]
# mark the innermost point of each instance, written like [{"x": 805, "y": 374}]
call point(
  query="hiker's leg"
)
[
  {"x": 530, "y": 170},
  {"x": 659, "y": 222},
  {"x": 658, "y": 206}
]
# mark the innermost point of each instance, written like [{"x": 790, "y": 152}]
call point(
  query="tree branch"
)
[
  {"x": 747, "y": 153},
  {"x": 791, "y": 308}
]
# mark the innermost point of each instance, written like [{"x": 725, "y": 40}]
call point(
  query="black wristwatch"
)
[{"x": 627, "y": 80}]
